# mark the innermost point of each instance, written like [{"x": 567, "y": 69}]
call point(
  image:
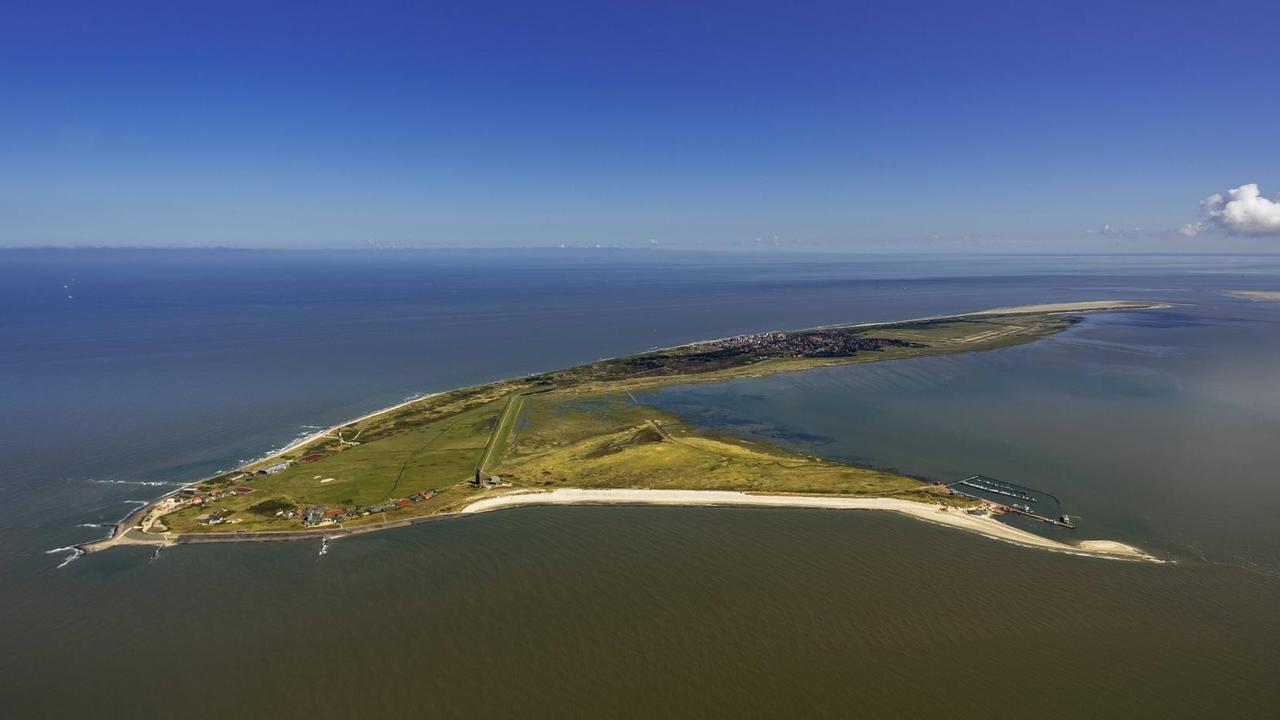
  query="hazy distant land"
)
[
  {"x": 1263, "y": 295},
  {"x": 580, "y": 436}
]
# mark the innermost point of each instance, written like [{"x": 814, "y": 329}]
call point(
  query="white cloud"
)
[{"x": 1244, "y": 211}]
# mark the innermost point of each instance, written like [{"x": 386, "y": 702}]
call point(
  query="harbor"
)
[{"x": 1012, "y": 498}]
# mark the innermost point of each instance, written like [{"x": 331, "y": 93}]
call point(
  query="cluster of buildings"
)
[
  {"x": 811, "y": 343},
  {"x": 284, "y": 464},
  {"x": 311, "y": 517},
  {"x": 316, "y": 515},
  {"x": 192, "y": 496}
]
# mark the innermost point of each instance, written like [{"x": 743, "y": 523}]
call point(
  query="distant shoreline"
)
[{"x": 1255, "y": 295}]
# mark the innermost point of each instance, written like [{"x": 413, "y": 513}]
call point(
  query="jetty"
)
[{"x": 1027, "y": 497}]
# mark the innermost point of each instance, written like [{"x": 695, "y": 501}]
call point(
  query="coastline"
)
[
  {"x": 1255, "y": 295},
  {"x": 978, "y": 523},
  {"x": 272, "y": 454},
  {"x": 125, "y": 531},
  {"x": 1083, "y": 306},
  {"x": 981, "y": 524}
]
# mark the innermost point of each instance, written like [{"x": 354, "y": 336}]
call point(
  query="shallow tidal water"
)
[
  {"x": 643, "y": 612},
  {"x": 1157, "y": 427},
  {"x": 163, "y": 367}
]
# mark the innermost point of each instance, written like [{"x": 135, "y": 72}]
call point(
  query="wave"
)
[
  {"x": 75, "y": 554},
  {"x": 111, "y": 528}
]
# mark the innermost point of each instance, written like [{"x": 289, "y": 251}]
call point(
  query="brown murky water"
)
[
  {"x": 547, "y": 612},
  {"x": 171, "y": 365}
]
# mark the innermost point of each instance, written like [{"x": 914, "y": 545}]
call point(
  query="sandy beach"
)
[
  {"x": 1092, "y": 305},
  {"x": 978, "y": 523},
  {"x": 308, "y": 439}
]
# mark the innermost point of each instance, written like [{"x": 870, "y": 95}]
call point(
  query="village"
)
[
  {"x": 317, "y": 516},
  {"x": 314, "y": 516},
  {"x": 812, "y": 343}
]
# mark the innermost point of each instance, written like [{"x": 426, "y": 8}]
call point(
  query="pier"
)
[
  {"x": 997, "y": 487},
  {"x": 1062, "y": 521},
  {"x": 1027, "y": 496}
]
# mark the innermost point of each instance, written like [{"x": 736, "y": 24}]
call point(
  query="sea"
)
[{"x": 125, "y": 373}]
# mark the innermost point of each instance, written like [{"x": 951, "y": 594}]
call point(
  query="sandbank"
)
[{"x": 981, "y": 523}]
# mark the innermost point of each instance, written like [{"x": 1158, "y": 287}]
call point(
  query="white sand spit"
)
[{"x": 980, "y": 523}]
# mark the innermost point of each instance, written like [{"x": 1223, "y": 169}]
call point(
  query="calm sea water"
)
[
  {"x": 129, "y": 367},
  {"x": 1157, "y": 427}
]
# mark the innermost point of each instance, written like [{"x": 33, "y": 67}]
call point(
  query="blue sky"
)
[{"x": 916, "y": 125}]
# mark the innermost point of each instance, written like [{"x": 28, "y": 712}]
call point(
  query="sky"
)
[{"x": 914, "y": 126}]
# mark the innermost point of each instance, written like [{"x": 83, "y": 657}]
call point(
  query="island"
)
[
  {"x": 1257, "y": 295},
  {"x": 584, "y": 435}
]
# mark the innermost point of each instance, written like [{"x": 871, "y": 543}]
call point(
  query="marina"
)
[
  {"x": 995, "y": 486},
  {"x": 1031, "y": 503}
]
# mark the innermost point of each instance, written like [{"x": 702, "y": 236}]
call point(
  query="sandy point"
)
[
  {"x": 1067, "y": 307},
  {"x": 981, "y": 523}
]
